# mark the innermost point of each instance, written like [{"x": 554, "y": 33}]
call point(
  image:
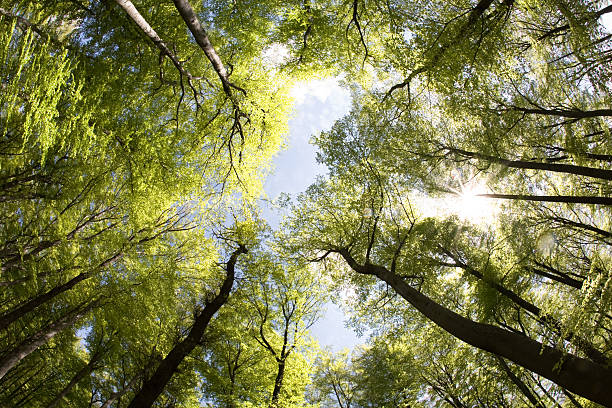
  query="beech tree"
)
[
  {"x": 135, "y": 138},
  {"x": 102, "y": 148},
  {"x": 381, "y": 245}
]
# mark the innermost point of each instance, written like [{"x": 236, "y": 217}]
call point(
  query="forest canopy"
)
[{"x": 464, "y": 221}]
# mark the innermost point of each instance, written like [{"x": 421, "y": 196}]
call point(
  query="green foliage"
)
[{"x": 126, "y": 184}]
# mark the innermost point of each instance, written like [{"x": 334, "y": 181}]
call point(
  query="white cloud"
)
[{"x": 321, "y": 89}]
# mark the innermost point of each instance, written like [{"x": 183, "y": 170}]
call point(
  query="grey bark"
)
[{"x": 32, "y": 343}]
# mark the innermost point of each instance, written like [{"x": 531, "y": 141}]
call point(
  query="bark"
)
[
  {"x": 32, "y": 392},
  {"x": 232, "y": 369},
  {"x": 520, "y": 384},
  {"x": 516, "y": 299},
  {"x": 337, "y": 393},
  {"x": 18, "y": 385},
  {"x": 278, "y": 384},
  {"x": 582, "y": 226},
  {"x": 201, "y": 37},
  {"x": 32, "y": 343},
  {"x": 565, "y": 113},
  {"x": 552, "y": 199},
  {"x": 554, "y": 167},
  {"x": 579, "y": 153},
  {"x": 155, "y": 385},
  {"x": 11, "y": 317},
  {"x": 578, "y": 375},
  {"x": 572, "y": 399},
  {"x": 566, "y": 280},
  {"x": 140, "y": 21},
  {"x": 595, "y": 156},
  {"x": 82, "y": 373}
]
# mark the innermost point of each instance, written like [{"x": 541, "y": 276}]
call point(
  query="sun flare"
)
[
  {"x": 471, "y": 206},
  {"x": 465, "y": 203}
]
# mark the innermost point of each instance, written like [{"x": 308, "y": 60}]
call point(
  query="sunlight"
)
[
  {"x": 470, "y": 206},
  {"x": 464, "y": 203}
]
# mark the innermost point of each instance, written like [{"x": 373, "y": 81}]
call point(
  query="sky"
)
[{"x": 318, "y": 104}]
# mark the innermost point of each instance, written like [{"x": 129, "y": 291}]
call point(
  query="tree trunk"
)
[
  {"x": 564, "y": 279},
  {"x": 82, "y": 373},
  {"x": 140, "y": 21},
  {"x": 552, "y": 199},
  {"x": 572, "y": 399},
  {"x": 278, "y": 384},
  {"x": 531, "y": 165},
  {"x": 18, "y": 384},
  {"x": 582, "y": 226},
  {"x": 201, "y": 37},
  {"x": 566, "y": 113},
  {"x": 155, "y": 385},
  {"x": 578, "y": 375},
  {"x": 13, "y": 357},
  {"x": 10, "y": 317}
]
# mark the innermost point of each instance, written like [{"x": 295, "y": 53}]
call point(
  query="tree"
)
[
  {"x": 131, "y": 132},
  {"x": 101, "y": 147},
  {"x": 284, "y": 302},
  {"x": 373, "y": 243},
  {"x": 156, "y": 383}
]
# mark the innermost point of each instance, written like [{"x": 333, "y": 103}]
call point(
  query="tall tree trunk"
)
[
  {"x": 82, "y": 373},
  {"x": 564, "y": 280},
  {"x": 552, "y": 199},
  {"x": 155, "y": 385},
  {"x": 578, "y": 375},
  {"x": 565, "y": 113},
  {"x": 278, "y": 384},
  {"x": 201, "y": 37},
  {"x": 18, "y": 384},
  {"x": 531, "y": 165},
  {"x": 29, "y": 345},
  {"x": 140, "y": 21},
  {"x": 582, "y": 226},
  {"x": 10, "y": 317},
  {"x": 572, "y": 399}
]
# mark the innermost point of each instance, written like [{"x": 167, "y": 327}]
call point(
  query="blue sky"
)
[{"x": 318, "y": 104}]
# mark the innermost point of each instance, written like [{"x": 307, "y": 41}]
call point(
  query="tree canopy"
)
[{"x": 464, "y": 220}]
